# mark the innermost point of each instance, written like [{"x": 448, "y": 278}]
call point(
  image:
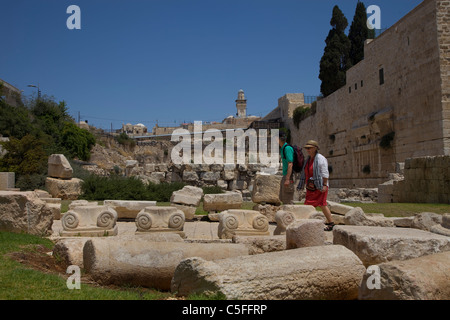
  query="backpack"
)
[{"x": 299, "y": 159}]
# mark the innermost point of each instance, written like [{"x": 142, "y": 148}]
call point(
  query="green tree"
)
[
  {"x": 24, "y": 156},
  {"x": 78, "y": 142},
  {"x": 359, "y": 33},
  {"x": 336, "y": 58},
  {"x": 14, "y": 121}
]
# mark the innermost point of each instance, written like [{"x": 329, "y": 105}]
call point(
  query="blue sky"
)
[{"x": 170, "y": 60}]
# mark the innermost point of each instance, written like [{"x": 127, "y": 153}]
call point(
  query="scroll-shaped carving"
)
[
  {"x": 143, "y": 221},
  {"x": 70, "y": 220},
  {"x": 160, "y": 219},
  {"x": 90, "y": 221},
  {"x": 242, "y": 222},
  {"x": 176, "y": 220},
  {"x": 106, "y": 220}
]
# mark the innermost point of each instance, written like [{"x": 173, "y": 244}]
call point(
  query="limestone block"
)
[
  {"x": 266, "y": 189},
  {"x": 374, "y": 245},
  {"x": 222, "y": 184},
  {"x": 148, "y": 264},
  {"x": 64, "y": 189},
  {"x": 157, "y": 177},
  {"x": 335, "y": 271},
  {"x": 305, "y": 233},
  {"x": 189, "y": 195},
  {"x": 160, "y": 219},
  {"x": 426, "y": 220},
  {"x": 242, "y": 222},
  {"x": 89, "y": 221},
  {"x": 7, "y": 180},
  {"x": 229, "y": 175},
  {"x": 70, "y": 250},
  {"x": 59, "y": 167},
  {"x": 222, "y": 201},
  {"x": 79, "y": 203},
  {"x": 267, "y": 210},
  {"x": 210, "y": 176},
  {"x": 423, "y": 278},
  {"x": 189, "y": 211},
  {"x": 127, "y": 209},
  {"x": 357, "y": 217},
  {"x": 338, "y": 208},
  {"x": 54, "y": 204},
  {"x": 285, "y": 217},
  {"x": 216, "y": 167},
  {"x": 42, "y": 193},
  {"x": 190, "y": 176},
  {"x": 24, "y": 212},
  {"x": 402, "y": 222},
  {"x": 300, "y": 211},
  {"x": 444, "y": 228},
  {"x": 262, "y": 244}
]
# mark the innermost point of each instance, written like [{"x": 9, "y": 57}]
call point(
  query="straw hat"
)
[{"x": 312, "y": 144}]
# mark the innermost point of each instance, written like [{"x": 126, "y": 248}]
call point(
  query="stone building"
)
[
  {"x": 10, "y": 94},
  {"x": 135, "y": 130},
  {"x": 395, "y": 105},
  {"x": 240, "y": 121}
]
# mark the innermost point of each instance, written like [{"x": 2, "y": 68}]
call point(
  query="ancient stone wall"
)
[
  {"x": 394, "y": 106},
  {"x": 427, "y": 180}
]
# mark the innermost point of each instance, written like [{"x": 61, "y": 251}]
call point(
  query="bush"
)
[
  {"x": 212, "y": 190},
  {"x": 126, "y": 188},
  {"x": 300, "y": 114},
  {"x": 78, "y": 142},
  {"x": 126, "y": 141}
]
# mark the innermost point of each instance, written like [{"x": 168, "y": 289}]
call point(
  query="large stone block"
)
[
  {"x": 127, "y": 209},
  {"x": 222, "y": 201},
  {"x": 64, "y": 189},
  {"x": 305, "y": 233},
  {"x": 148, "y": 264},
  {"x": 444, "y": 228},
  {"x": 7, "y": 180},
  {"x": 70, "y": 250},
  {"x": 89, "y": 221},
  {"x": 160, "y": 219},
  {"x": 266, "y": 189},
  {"x": 423, "y": 278},
  {"x": 24, "y": 212},
  {"x": 374, "y": 245},
  {"x": 313, "y": 273},
  {"x": 262, "y": 244},
  {"x": 189, "y": 195},
  {"x": 59, "y": 167},
  {"x": 289, "y": 213},
  {"x": 54, "y": 204},
  {"x": 357, "y": 217},
  {"x": 338, "y": 208},
  {"x": 242, "y": 222}
]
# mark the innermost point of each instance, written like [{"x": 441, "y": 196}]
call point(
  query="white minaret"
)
[{"x": 241, "y": 105}]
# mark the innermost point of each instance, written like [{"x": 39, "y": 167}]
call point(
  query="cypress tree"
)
[
  {"x": 359, "y": 33},
  {"x": 336, "y": 58}
]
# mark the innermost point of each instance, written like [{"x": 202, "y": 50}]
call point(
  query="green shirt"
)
[{"x": 289, "y": 152}]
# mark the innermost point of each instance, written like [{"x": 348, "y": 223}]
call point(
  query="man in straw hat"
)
[{"x": 315, "y": 177}]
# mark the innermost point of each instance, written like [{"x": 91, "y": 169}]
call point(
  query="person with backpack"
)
[
  {"x": 315, "y": 177},
  {"x": 287, "y": 187}
]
